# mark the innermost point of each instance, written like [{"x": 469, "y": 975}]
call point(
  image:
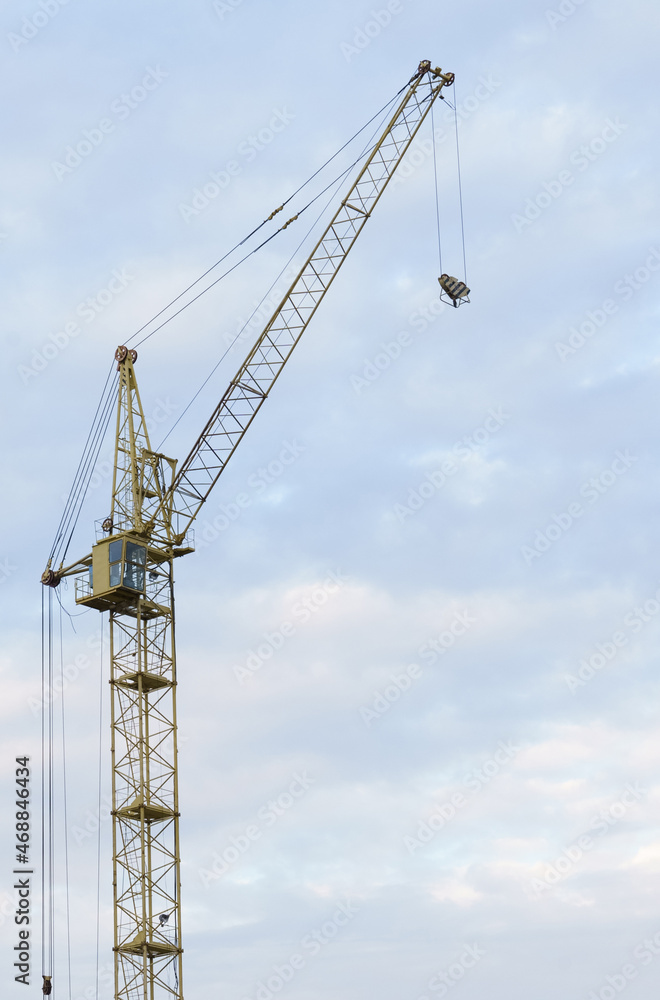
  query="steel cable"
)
[
  {"x": 460, "y": 186},
  {"x": 85, "y": 469},
  {"x": 261, "y": 224},
  {"x": 334, "y": 185}
]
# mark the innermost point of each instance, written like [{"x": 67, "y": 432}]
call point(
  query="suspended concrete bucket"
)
[{"x": 453, "y": 291}]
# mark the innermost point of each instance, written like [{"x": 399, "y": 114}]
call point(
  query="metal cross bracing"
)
[
  {"x": 145, "y": 806},
  {"x": 146, "y": 879},
  {"x": 255, "y": 378},
  {"x": 142, "y": 479},
  {"x": 129, "y": 573}
]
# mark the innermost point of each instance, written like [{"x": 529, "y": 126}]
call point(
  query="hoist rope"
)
[
  {"x": 65, "y": 808},
  {"x": 257, "y": 228},
  {"x": 84, "y": 471},
  {"x": 61, "y": 527},
  {"x": 437, "y": 197},
  {"x": 47, "y": 844},
  {"x": 460, "y": 186},
  {"x": 98, "y": 834},
  {"x": 50, "y": 763},
  {"x": 256, "y": 249},
  {"x": 90, "y": 466},
  {"x": 51, "y": 637},
  {"x": 43, "y": 785},
  {"x": 334, "y": 184},
  {"x": 248, "y": 320}
]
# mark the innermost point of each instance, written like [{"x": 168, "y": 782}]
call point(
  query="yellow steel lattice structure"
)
[
  {"x": 145, "y": 807},
  {"x": 146, "y": 876},
  {"x": 262, "y": 367},
  {"x": 129, "y": 573}
]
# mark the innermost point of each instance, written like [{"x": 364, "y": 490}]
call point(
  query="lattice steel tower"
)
[{"x": 130, "y": 575}]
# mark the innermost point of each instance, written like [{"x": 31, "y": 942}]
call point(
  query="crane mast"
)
[{"x": 129, "y": 573}]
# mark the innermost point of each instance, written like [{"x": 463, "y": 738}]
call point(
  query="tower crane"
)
[{"x": 130, "y": 574}]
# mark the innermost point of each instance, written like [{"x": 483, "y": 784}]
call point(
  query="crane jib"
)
[{"x": 262, "y": 367}]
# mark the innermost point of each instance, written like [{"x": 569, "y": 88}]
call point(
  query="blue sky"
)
[{"x": 455, "y": 511}]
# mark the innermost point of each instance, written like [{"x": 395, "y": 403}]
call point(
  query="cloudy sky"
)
[{"x": 454, "y": 510}]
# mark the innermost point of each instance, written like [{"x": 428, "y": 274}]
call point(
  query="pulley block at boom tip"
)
[{"x": 122, "y": 353}]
